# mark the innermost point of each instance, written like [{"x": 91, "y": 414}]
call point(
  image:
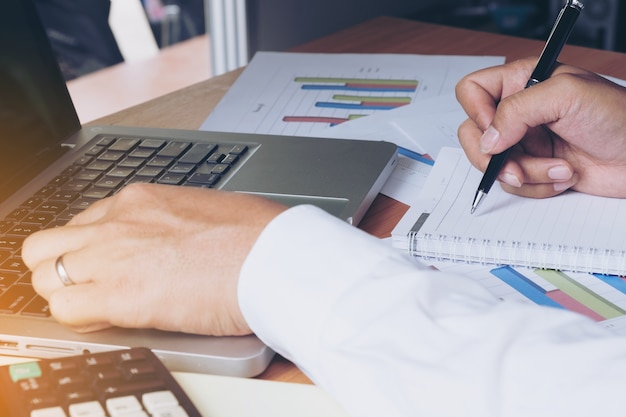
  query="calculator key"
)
[
  {"x": 160, "y": 399},
  {"x": 94, "y": 362},
  {"x": 80, "y": 395},
  {"x": 87, "y": 409},
  {"x": 106, "y": 376},
  {"x": 71, "y": 381},
  {"x": 117, "y": 389},
  {"x": 132, "y": 355},
  {"x": 62, "y": 365},
  {"x": 49, "y": 412},
  {"x": 176, "y": 411},
  {"x": 26, "y": 371},
  {"x": 123, "y": 405}
]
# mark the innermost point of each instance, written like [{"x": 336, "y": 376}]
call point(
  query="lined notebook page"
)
[{"x": 573, "y": 231}]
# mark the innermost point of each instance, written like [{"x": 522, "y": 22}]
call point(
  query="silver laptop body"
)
[{"x": 40, "y": 137}]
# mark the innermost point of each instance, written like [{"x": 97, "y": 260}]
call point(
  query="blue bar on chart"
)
[
  {"x": 568, "y": 294},
  {"x": 524, "y": 286},
  {"x": 614, "y": 281}
]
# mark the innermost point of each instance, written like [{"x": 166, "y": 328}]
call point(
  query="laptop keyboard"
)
[{"x": 100, "y": 172}]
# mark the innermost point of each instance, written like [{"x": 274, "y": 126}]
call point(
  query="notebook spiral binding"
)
[{"x": 429, "y": 246}]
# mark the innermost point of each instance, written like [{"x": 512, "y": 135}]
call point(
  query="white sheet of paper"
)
[{"x": 296, "y": 94}]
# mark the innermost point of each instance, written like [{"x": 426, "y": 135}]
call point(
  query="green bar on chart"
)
[{"x": 581, "y": 293}]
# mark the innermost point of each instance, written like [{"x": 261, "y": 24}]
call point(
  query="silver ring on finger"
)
[{"x": 62, "y": 272}]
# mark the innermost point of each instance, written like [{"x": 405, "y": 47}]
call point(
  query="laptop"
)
[{"x": 51, "y": 168}]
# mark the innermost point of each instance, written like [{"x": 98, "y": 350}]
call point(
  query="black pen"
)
[{"x": 545, "y": 65}]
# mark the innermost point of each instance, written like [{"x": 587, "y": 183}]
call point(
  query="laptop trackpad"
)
[{"x": 333, "y": 205}]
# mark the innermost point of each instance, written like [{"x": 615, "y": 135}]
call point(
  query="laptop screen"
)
[{"x": 36, "y": 112}]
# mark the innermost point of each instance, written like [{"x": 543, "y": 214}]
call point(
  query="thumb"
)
[{"x": 518, "y": 113}]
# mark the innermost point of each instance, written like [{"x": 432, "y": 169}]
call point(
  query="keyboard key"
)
[
  {"x": 5, "y": 225},
  {"x": 77, "y": 186},
  {"x": 151, "y": 172},
  {"x": 88, "y": 175},
  {"x": 204, "y": 179},
  {"x": 133, "y": 163},
  {"x": 15, "y": 298},
  {"x": 161, "y": 161},
  {"x": 100, "y": 165},
  {"x": 24, "y": 229},
  {"x": 32, "y": 202},
  {"x": 52, "y": 206},
  {"x": 98, "y": 192},
  {"x": 123, "y": 173},
  {"x": 106, "y": 140},
  {"x": 38, "y": 307},
  {"x": 172, "y": 179},
  {"x": 182, "y": 168},
  {"x": 152, "y": 143},
  {"x": 39, "y": 219},
  {"x": 124, "y": 144},
  {"x": 110, "y": 182},
  {"x": 197, "y": 153},
  {"x": 95, "y": 150},
  {"x": 82, "y": 204},
  {"x": 7, "y": 279},
  {"x": 219, "y": 168},
  {"x": 173, "y": 149},
  {"x": 230, "y": 159},
  {"x": 9, "y": 243},
  {"x": 18, "y": 213},
  {"x": 142, "y": 153},
  {"x": 65, "y": 195},
  {"x": 14, "y": 264},
  {"x": 216, "y": 158},
  {"x": 238, "y": 149}
]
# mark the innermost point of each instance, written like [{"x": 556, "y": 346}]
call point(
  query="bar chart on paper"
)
[
  {"x": 309, "y": 103},
  {"x": 602, "y": 298},
  {"x": 365, "y": 95},
  {"x": 306, "y": 94}
]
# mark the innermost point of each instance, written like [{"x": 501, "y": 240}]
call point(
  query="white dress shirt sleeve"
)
[{"x": 387, "y": 337}]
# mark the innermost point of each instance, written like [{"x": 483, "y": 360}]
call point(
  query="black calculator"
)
[{"x": 128, "y": 382}]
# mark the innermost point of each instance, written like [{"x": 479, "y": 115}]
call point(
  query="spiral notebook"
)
[{"x": 572, "y": 231}]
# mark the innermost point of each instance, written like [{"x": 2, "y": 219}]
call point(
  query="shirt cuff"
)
[{"x": 297, "y": 268}]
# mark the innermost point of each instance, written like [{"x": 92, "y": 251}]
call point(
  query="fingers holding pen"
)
[{"x": 530, "y": 170}]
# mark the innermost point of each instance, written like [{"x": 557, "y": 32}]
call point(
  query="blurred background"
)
[
  {"x": 238, "y": 28},
  {"x": 127, "y": 51}
]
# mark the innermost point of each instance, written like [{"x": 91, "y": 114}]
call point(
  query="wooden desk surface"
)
[{"x": 189, "y": 107}]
